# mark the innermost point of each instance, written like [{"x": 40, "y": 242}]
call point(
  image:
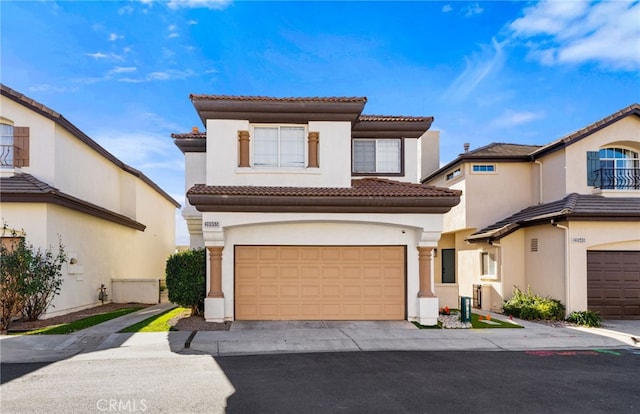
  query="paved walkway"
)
[{"x": 245, "y": 338}]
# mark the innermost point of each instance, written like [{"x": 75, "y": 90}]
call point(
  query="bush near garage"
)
[
  {"x": 585, "y": 318},
  {"x": 529, "y": 306},
  {"x": 186, "y": 279}
]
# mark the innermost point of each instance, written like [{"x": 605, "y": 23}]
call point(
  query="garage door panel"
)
[
  {"x": 320, "y": 282},
  {"x": 613, "y": 284}
]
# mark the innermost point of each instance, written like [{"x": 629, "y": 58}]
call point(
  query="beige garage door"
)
[
  {"x": 613, "y": 284},
  {"x": 320, "y": 282}
]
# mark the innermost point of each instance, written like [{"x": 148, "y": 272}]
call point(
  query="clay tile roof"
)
[
  {"x": 633, "y": 109},
  {"x": 500, "y": 149},
  {"x": 24, "y": 184},
  {"x": 185, "y": 135},
  {"x": 199, "y": 97},
  {"x": 572, "y": 206},
  {"x": 393, "y": 118},
  {"x": 365, "y": 187}
]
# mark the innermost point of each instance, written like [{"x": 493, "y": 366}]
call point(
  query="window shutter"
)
[
  {"x": 21, "y": 146},
  {"x": 593, "y": 165}
]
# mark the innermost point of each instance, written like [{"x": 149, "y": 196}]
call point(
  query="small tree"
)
[
  {"x": 43, "y": 282},
  {"x": 14, "y": 268},
  {"x": 186, "y": 279}
]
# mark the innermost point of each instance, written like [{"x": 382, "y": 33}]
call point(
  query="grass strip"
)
[
  {"x": 476, "y": 323},
  {"x": 157, "y": 323},
  {"x": 67, "y": 328}
]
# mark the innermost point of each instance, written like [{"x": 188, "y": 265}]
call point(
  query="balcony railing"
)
[
  {"x": 618, "y": 179},
  {"x": 6, "y": 155}
]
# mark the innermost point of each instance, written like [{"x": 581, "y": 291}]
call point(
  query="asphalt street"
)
[{"x": 565, "y": 381}]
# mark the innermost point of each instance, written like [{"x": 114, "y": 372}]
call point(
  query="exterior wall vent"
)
[{"x": 534, "y": 245}]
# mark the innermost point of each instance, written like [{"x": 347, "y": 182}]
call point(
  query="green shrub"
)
[
  {"x": 529, "y": 306},
  {"x": 585, "y": 318},
  {"x": 186, "y": 279},
  {"x": 29, "y": 279}
]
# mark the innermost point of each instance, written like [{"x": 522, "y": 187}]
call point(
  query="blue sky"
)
[{"x": 520, "y": 72}]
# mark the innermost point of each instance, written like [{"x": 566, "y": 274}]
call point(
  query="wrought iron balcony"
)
[
  {"x": 618, "y": 179},
  {"x": 6, "y": 155}
]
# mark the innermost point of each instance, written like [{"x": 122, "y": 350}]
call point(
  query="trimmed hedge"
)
[{"x": 186, "y": 279}]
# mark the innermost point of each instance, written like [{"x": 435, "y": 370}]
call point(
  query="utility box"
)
[{"x": 465, "y": 309}]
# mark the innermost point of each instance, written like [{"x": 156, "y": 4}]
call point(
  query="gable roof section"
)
[
  {"x": 191, "y": 141},
  {"x": 25, "y": 188},
  {"x": 494, "y": 152},
  {"x": 574, "y": 207},
  {"x": 388, "y": 126},
  {"x": 75, "y": 131},
  {"x": 367, "y": 195},
  {"x": 633, "y": 109}
]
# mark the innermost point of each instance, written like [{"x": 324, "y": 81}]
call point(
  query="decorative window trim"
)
[
  {"x": 378, "y": 173},
  {"x": 252, "y": 143}
]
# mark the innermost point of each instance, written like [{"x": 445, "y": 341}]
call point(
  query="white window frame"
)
[
  {"x": 279, "y": 162},
  {"x": 480, "y": 171},
  {"x": 488, "y": 268},
  {"x": 452, "y": 175},
  {"x": 378, "y": 160},
  {"x": 7, "y": 151}
]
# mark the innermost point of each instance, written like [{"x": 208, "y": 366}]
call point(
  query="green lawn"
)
[
  {"x": 476, "y": 323},
  {"x": 67, "y": 328},
  {"x": 157, "y": 323}
]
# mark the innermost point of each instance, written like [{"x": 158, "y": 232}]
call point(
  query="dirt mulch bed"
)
[
  {"x": 184, "y": 322},
  {"x": 21, "y": 326}
]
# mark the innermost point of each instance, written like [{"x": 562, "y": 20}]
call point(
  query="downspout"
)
[
  {"x": 567, "y": 261},
  {"x": 540, "y": 198}
]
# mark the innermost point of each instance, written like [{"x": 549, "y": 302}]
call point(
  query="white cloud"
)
[
  {"x": 114, "y": 37},
  {"x": 135, "y": 148},
  {"x": 100, "y": 55},
  {"x": 473, "y": 9},
  {"x": 167, "y": 75},
  {"x": 192, "y": 22},
  {"x": 511, "y": 118},
  {"x": 45, "y": 87},
  {"x": 577, "y": 32},
  {"x": 477, "y": 68},
  {"x": 172, "y": 28},
  {"x": 173, "y": 35},
  {"x": 123, "y": 69},
  {"x": 125, "y": 10},
  {"x": 447, "y": 8},
  {"x": 198, "y": 4}
]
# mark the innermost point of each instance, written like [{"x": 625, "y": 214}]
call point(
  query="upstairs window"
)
[
  {"x": 279, "y": 146},
  {"x": 481, "y": 168},
  {"x": 453, "y": 174},
  {"x": 6, "y": 146},
  {"x": 377, "y": 156},
  {"x": 613, "y": 168},
  {"x": 14, "y": 145}
]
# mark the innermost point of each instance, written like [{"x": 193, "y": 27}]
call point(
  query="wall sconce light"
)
[
  {"x": 73, "y": 261},
  {"x": 435, "y": 252}
]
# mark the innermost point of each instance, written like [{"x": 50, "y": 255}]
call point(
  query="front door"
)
[{"x": 448, "y": 265}]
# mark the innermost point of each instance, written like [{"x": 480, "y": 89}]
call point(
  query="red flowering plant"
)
[{"x": 445, "y": 311}]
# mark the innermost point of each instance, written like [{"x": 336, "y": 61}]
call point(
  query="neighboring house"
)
[
  {"x": 117, "y": 226},
  {"x": 310, "y": 210},
  {"x": 562, "y": 219}
]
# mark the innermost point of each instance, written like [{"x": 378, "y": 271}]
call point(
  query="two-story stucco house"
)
[
  {"x": 310, "y": 210},
  {"x": 117, "y": 226},
  {"x": 562, "y": 219}
]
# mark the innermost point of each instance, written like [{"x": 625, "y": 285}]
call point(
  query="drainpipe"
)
[
  {"x": 567, "y": 261},
  {"x": 540, "y": 197}
]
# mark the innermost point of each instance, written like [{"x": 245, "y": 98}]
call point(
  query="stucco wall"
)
[
  {"x": 334, "y": 155},
  {"x": 323, "y": 229},
  {"x": 623, "y": 133},
  {"x": 495, "y": 195}
]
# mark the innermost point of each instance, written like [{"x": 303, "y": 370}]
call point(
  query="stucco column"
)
[
  {"x": 314, "y": 138},
  {"x": 215, "y": 272},
  {"x": 243, "y": 141},
  {"x": 424, "y": 269}
]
